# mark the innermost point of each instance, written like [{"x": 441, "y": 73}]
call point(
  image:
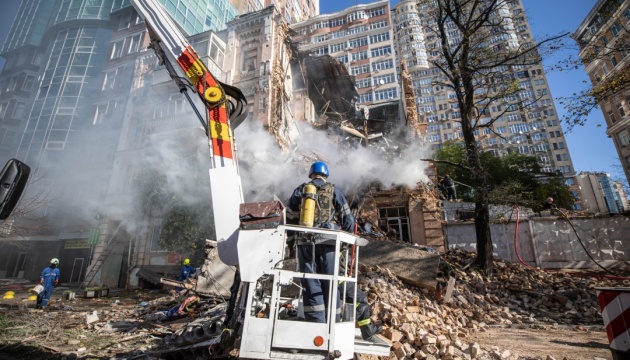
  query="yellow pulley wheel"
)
[{"x": 214, "y": 95}]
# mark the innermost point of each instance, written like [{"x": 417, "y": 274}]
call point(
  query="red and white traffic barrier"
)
[{"x": 614, "y": 304}]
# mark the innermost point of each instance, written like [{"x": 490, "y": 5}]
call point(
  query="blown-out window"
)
[{"x": 394, "y": 221}]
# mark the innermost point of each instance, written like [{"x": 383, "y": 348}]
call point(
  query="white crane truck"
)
[{"x": 266, "y": 306}]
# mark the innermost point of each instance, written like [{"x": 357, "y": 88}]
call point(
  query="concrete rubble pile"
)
[
  {"x": 424, "y": 324},
  {"x": 419, "y": 322}
]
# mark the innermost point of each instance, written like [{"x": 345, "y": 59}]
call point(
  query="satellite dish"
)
[{"x": 381, "y": 81}]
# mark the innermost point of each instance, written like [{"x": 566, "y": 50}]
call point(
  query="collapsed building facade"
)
[{"x": 284, "y": 85}]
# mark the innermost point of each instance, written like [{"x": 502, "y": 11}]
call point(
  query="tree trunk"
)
[
  {"x": 485, "y": 255},
  {"x": 482, "y": 212}
]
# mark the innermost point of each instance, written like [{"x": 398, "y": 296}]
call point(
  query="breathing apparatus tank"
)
[{"x": 309, "y": 202}]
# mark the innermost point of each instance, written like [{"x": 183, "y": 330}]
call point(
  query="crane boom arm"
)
[
  {"x": 169, "y": 43},
  {"x": 222, "y": 115}
]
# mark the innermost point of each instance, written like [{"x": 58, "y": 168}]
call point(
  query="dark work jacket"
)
[{"x": 342, "y": 209}]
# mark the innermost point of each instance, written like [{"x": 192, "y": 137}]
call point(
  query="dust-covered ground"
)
[
  {"x": 539, "y": 342},
  {"x": 61, "y": 331},
  {"x": 521, "y": 313}
]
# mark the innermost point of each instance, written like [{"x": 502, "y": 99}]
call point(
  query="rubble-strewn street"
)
[{"x": 521, "y": 314}]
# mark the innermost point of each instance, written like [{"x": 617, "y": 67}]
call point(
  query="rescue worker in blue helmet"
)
[
  {"x": 317, "y": 254},
  {"x": 49, "y": 279}
]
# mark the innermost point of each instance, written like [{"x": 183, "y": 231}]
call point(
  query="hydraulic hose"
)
[{"x": 564, "y": 215}]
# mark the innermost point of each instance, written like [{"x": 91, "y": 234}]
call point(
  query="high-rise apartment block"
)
[
  {"x": 80, "y": 97},
  {"x": 361, "y": 37},
  {"x": 598, "y": 193},
  {"x": 603, "y": 40},
  {"x": 292, "y": 11},
  {"x": 532, "y": 129},
  {"x": 409, "y": 33},
  {"x": 621, "y": 196},
  {"x": 372, "y": 43}
]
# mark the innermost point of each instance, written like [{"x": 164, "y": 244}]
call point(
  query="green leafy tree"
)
[
  {"x": 181, "y": 199},
  {"x": 512, "y": 179},
  {"x": 185, "y": 229},
  {"x": 557, "y": 189},
  {"x": 480, "y": 55}
]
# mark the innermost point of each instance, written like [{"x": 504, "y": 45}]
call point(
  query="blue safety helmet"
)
[{"x": 319, "y": 168}]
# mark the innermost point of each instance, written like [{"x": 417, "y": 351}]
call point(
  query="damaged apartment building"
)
[
  {"x": 351, "y": 94},
  {"x": 287, "y": 84},
  {"x": 347, "y": 62}
]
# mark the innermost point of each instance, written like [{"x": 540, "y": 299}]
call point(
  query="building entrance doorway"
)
[
  {"x": 19, "y": 266},
  {"x": 77, "y": 270}
]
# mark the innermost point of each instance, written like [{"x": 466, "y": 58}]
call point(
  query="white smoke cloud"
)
[
  {"x": 266, "y": 170},
  {"x": 265, "y": 166},
  {"x": 183, "y": 159}
]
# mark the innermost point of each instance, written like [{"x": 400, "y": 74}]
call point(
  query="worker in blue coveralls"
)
[
  {"x": 49, "y": 279},
  {"x": 187, "y": 270},
  {"x": 316, "y": 254}
]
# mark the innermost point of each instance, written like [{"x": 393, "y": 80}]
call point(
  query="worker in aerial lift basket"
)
[
  {"x": 320, "y": 204},
  {"x": 363, "y": 310}
]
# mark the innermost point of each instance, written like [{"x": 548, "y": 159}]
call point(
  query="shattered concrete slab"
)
[{"x": 410, "y": 263}]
